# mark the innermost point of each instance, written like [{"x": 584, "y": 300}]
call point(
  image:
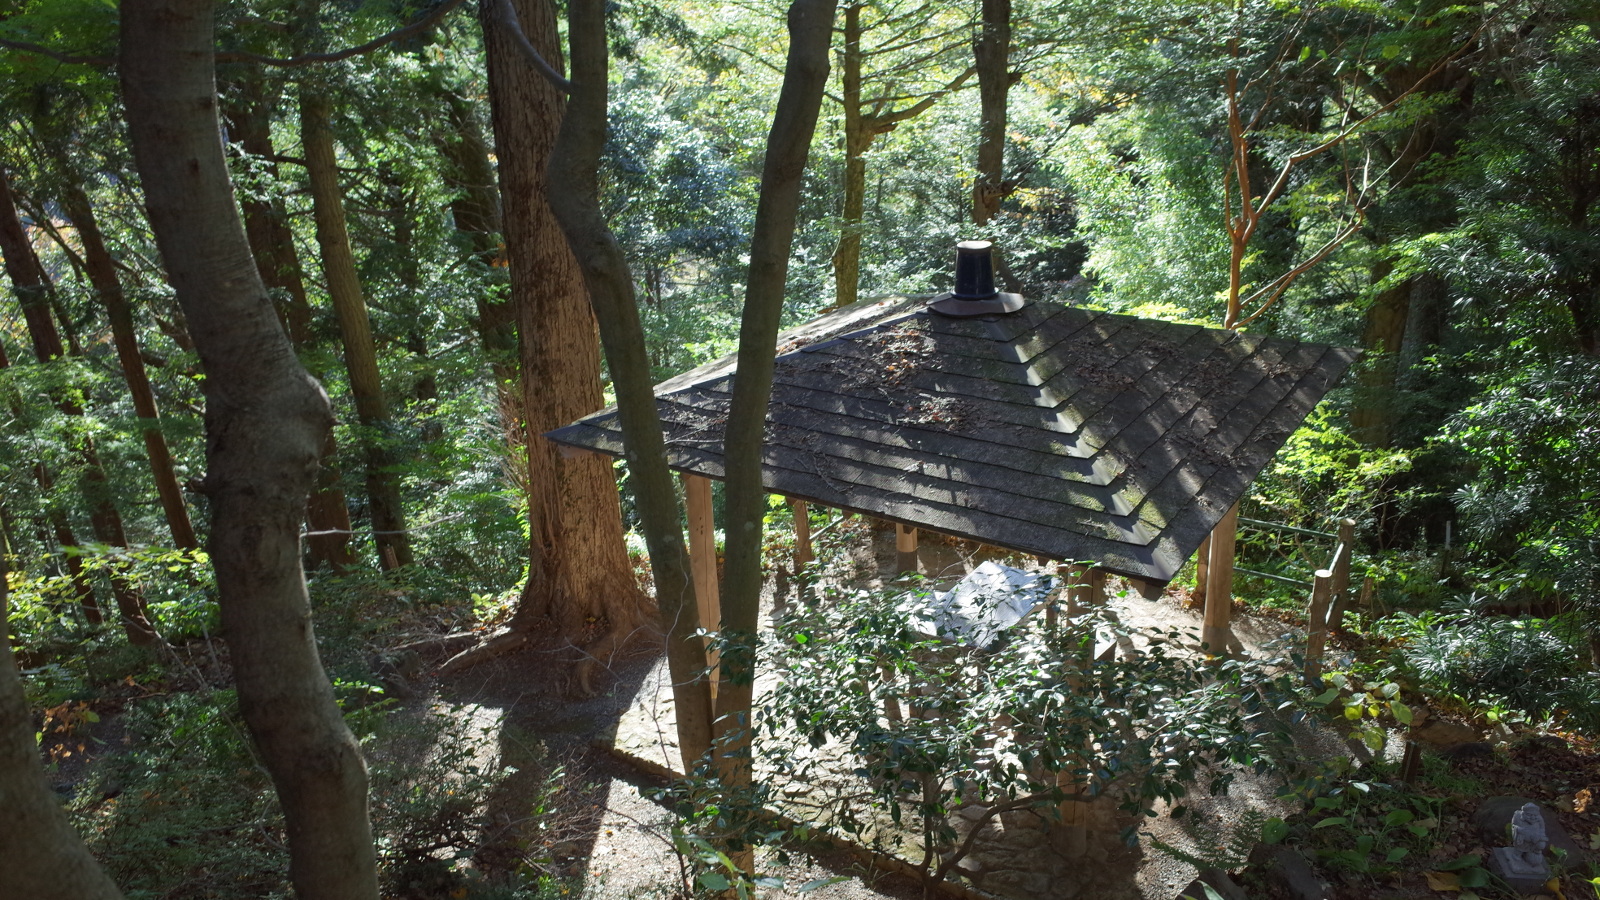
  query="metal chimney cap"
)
[{"x": 975, "y": 293}]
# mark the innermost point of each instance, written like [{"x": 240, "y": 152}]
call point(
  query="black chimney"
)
[{"x": 975, "y": 294}]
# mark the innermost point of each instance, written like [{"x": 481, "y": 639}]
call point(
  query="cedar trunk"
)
[
  {"x": 267, "y": 421},
  {"x": 579, "y": 576},
  {"x": 33, "y": 290},
  {"x": 355, "y": 328},
  {"x": 266, "y": 226},
  {"x": 103, "y": 276},
  {"x": 991, "y": 54},
  {"x": 858, "y": 135},
  {"x": 574, "y": 167}
]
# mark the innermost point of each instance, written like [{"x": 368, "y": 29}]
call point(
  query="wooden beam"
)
[
  {"x": 802, "y": 535},
  {"x": 1202, "y": 569},
  {"x": 703, "y": 557},
  {"x": 1218, "y": 629},
  {"x": 905, "y": 545}
]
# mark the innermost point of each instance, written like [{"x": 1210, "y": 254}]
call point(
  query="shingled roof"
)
[{"x": 1065, "y": 432}]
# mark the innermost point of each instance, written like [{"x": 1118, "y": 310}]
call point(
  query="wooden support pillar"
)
[
  {"x": 703, "y": 557},
  {"x": 1087, "y": 587},
  {"x": 802, "y": 535},
  {"x": 1218, "y": 629},
  {"x": 905, "y": 545},
  {"x": 1317, "y": 622}
]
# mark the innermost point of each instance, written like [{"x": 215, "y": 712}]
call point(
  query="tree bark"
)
[
  {"x": 266, "y": 423},
  {"x": 991, "y": 55},
  {"x": 788, "y": 145},
  {"x": 857, "y": 141},
  {"x": 579, "y": 575},
  {"x": 103, "y": 276},
  {"x": 266, "y": 226},
  {"x": 574, "y": 167},
  {"x": 360, "y": 356},
  {"x": 33, "y": 290},
  {"x": 45, "y": 858}
]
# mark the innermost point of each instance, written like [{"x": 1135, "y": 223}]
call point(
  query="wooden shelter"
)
[{"x": 1063, "y": 432}]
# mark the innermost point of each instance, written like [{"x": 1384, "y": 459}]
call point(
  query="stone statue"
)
[{"x": 1522, "y": 864}]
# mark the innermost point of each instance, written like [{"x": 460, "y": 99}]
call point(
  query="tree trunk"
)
[
  {"x": 60, "y": 527},
  {"x": 33, "y": 290},
  {"x": 476, "y": 209},
  {"x": 360, "y": 356},
  {"x": 579, "y": 574},
  {"x": 103, "y": 276},
  {"x": 858, "y": 137},
  {"x": 788, "y": 144},
  {"x": 267, "y": 421},
  {"x": 272, "y": 244},
  {"x": 45, "y": 858},
  {"x": 991, "y": 54},
  {"x": 574, "y": 167}
]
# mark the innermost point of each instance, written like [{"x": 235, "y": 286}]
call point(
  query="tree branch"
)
[
  {"x": 421, "y": 23},
  {"x": 506, "y": 15}
]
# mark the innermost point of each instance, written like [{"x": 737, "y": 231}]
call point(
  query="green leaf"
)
[
  {"x": 1274, "y": 830},
  {"x": 1331, "y": 821},
  {"x": 1401, "y": 713},
  {"x": 713, "y": 881},
  {"x": 1398, "y": 817},
  {"x": 1461, "y": 862},
  {"x": 1396, "y": 854},
  {"x": 1390, "y": 51},
  {"x": 1326, "y": 697},
  {"x": 817, "y": 883}
]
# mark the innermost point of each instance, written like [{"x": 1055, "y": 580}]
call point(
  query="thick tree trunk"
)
[
  {"x": 574, "y": 167},
  {"x": 33, "y": 290},
  {"x": 44, "y": 858},
  {"x": 991, "y": 55},
  {"x": 266, "y": 423},
  {"x": 103, "y": 276},
  {"x": 788, "y": 144},
  {"x": 360, "y": 356},
  {"x": 579, "y": 573},
  {"x": 266, "y": 226}
]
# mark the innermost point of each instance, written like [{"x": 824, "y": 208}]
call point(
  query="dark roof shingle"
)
[{"x": 1065, "y": 432}]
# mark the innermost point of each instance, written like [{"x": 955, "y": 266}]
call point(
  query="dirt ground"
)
[{"x": 616, "y": 838}]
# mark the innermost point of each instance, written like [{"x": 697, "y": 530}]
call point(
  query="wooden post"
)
[
  {"x": 1202, "y": 567},
  {"x": 1217, "y": 632},
  {"x": 905, "y": 545},
  {"x": 1088, "y": 588},
  {"x": 1338, "y": 587},
  {"x": 703, "y": 558},
  {"x": 802, "y": 535},
  {"x": 1317, "y": 622}
]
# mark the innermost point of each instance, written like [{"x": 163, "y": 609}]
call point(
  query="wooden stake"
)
[
  {"x": 802, "y": 535},
  {"x": 1202, "y": 566},
  {"x": 1317, "y": 622},
  {"x": 905, "y": 545},
  {"x": 1217, "y": 632},
  {"x": 703, "y": 558}
]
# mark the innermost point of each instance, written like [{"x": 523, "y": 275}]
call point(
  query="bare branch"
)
[
  {"x": 421, "y": 23},
  {"x": 59, "y": 56}
]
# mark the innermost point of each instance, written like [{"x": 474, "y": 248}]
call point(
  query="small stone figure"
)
[{"x": 1522, "y": 864}]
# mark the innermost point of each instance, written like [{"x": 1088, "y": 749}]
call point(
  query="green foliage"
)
[{"x": 920, "y": 717}]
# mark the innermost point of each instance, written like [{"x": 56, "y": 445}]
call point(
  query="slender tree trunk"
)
[
  {"x": 272, "y": 243},
  {"x": 574, "y": 166},
  {"x": 267, "y": 421},
  {"x": 579, "y": 573},
  {"x": 858, "y": 135},
  {"x": 44, "y": 858},
  {"x": 360, "y": 356},
  {"x": 59, "y": 526},
  {"x": 33, "y": 290},
  {"x": 103, "y": 276},
  {"x": 788, "y": 143},
  {"x": 991, "y": 55}
]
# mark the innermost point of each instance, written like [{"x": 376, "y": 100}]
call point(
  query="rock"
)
[
  {"x": 1219, "y": 881},
  {"x": 1443, "y": 735},
  {"x": 973, "y": 813},
  {"x": 1012, "y": 883},
  {"x": 1287, "y": 869},
  {"x": 1494, "y": 814}
]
